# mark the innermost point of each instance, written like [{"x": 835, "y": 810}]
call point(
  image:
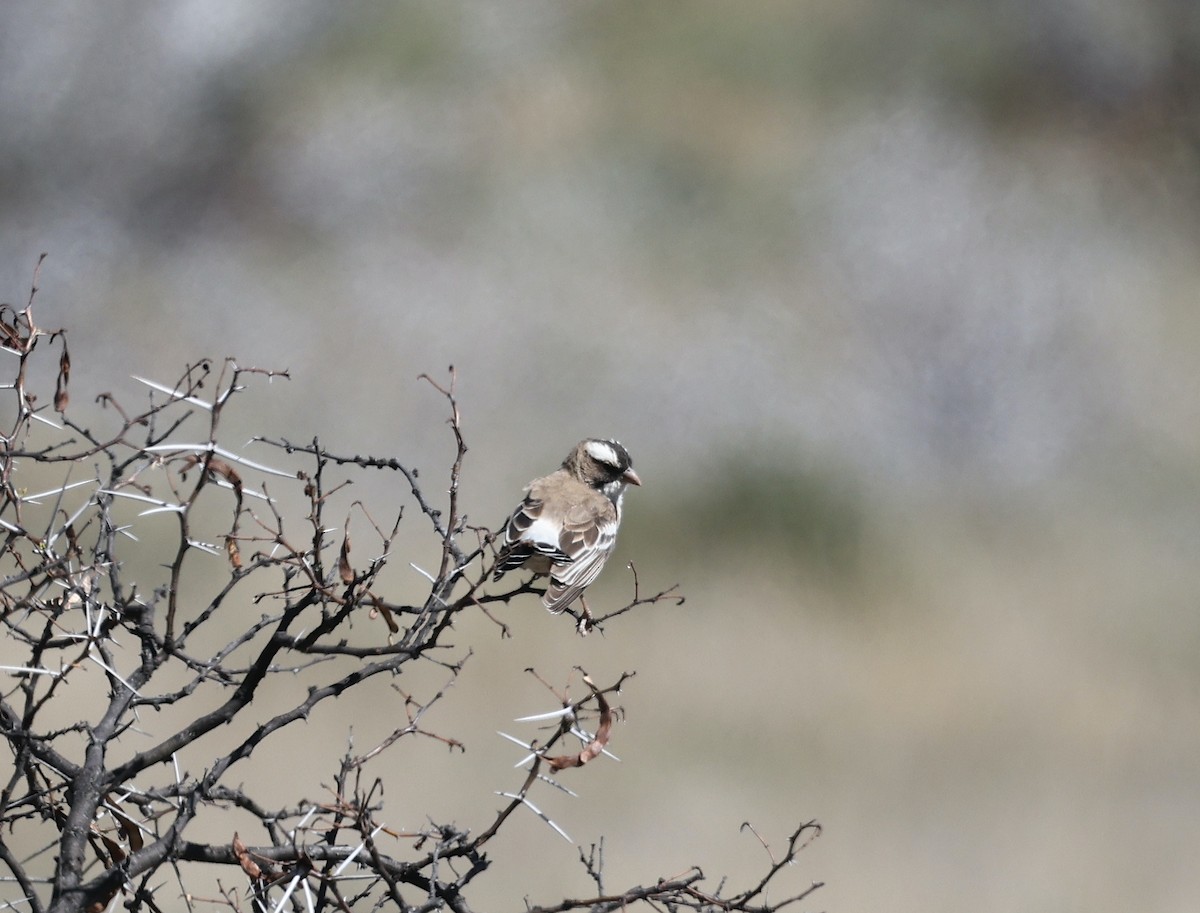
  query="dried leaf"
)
[
  {"x": 592, "y": 748},
  {"x": 223, "y": 469},
  {"x": 72, "y": 542},
  {"x": 116, "y": 855},
  {"x": 129, "y": 828},
  {"x": 61, "y": 397},
  {"x": 235, "y": 554},
  {"x": 9, "y": 337},
  {"x": 344, "y": 568},
  {"x": 249, "y": 866},
  {"x": 115, "y": 850},
  {"x": 383, "y": 610}
]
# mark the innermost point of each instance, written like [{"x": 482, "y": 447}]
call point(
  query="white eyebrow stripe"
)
[{"x": 603, "y": 451}]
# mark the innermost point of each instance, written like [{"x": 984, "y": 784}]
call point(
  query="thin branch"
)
[{"x": 206, "y": 658}]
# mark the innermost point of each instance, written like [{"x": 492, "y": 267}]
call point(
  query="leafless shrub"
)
[{"x": 96, "y": 813}]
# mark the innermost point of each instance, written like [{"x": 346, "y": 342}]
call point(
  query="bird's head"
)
[{"x": 604, "y": 465}]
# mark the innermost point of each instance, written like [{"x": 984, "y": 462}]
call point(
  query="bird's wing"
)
[
  {"x": 589, "y": 532},
  {"x": 531, "y": 530}
]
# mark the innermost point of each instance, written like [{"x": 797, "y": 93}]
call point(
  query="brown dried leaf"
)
[
  {"x": 234, "y": 553},
  {"x": 383, "y": 610},
  {"x": 592, "y": 748},
  {"x": 116, "y": 855},
  {"x": 9, "y": 337},
  {"x": 249, "y": 866},
  {"x": 61, "y": 397},
  {"x": 72, "y": 542},
  {"x": 115, "y": 850},
  {"x": 223, "y": 469},
  {"x": 344, "y": 569},
  {"x": 129, "y": 828}
]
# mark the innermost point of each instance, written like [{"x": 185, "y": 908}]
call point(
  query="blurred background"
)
[{"x": 895, "y": 306}]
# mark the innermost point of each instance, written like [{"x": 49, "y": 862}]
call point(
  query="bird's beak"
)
[{"x": 631, "y": 477}]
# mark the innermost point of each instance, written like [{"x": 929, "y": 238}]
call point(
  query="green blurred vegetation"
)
[{"x": 776, "y": 515}]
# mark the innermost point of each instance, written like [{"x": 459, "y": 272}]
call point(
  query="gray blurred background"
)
[{"x": 895, "y": 306}]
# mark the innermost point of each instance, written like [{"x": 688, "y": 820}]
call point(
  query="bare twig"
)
[{"x": 264, "y": 611}]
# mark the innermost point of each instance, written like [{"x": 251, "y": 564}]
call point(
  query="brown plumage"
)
[{"x": 567, "y": 525}]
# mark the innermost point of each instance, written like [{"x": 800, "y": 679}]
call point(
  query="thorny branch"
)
[{"x": 125, "y": 698}]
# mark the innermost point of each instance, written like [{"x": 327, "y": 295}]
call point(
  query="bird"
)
[{"x": 566, "y": 526}]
